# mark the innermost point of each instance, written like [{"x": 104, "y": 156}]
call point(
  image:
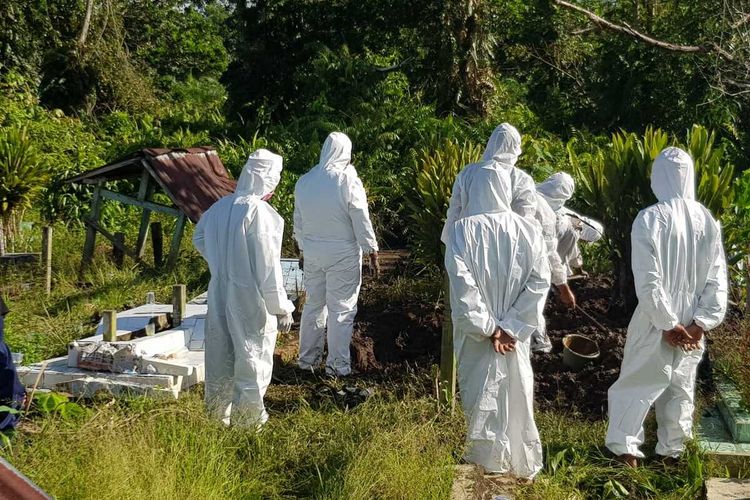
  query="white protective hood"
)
[
  {"x": 557, "y": 189},
  {"x": 336, "y": 153},
  {"x": 673, "y": 175},
  {"x": 260, "y": 175},
  {"x": 504, "y": 145},
  {"x": 487, "y": 191}
]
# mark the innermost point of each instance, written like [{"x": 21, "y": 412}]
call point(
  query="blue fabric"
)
[{"x": 11, "y": 390}]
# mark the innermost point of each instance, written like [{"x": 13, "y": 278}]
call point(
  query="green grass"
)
[
  {"x": 385, "y": 448},
  {"x": 577, "y": 466},
  {"x": 136, "y": 449},
  {"x": 397, "y": 445}
]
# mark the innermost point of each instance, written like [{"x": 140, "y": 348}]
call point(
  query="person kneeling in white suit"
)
[
  {"x": 680, "y": 280},
  {"x": 572, "y": 227},
  {"x": 240, "y": 238},
  {"x": 499, "y": 279}
]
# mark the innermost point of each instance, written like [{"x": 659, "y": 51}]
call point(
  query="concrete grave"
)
[
  {"x": 727, "y": 489},
  {"x": 158, "y": 365},
  {"x": 161, "y": 363}
]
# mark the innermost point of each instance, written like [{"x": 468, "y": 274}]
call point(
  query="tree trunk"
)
[
  {"x": 2, "y": 237},
  {"x": 86, "y": 23}
]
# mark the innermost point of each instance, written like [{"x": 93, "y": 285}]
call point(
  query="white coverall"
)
[
  {"x": 503, "y": 149},
  {"x": 332, "y": 228},
  {"x": 571, "y": 226},
  {"x": 240, "y": 238},
  {"x": 499, "y": 276},
  {"x": 547, "y": 219},
  {"x": 680, "y": 278}
]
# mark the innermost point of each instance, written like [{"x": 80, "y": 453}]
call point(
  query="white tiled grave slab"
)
[{"x": 170, "y": 361}]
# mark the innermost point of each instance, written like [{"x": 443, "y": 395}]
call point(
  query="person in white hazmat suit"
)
[
  {"x": 240, "y": 238},
  {"x": 572, "y": 227},
  {"x": 333, "y": 229},
  {"x": 503, "y": 149},
  {"x": 680, "y": 280},
  {"x": 499, "y": 278}
]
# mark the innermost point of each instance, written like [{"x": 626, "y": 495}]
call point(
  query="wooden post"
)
[
  {"x": 174, "y": 248},
  {"x": 150, "y": 329},
  {"x": 47, "y": 258},
  {"x": 157, "y": 240},
  {"x": 447, "y": 387},
  {"x": 747, "y": 285},
  {"x": 118, "y": 255},
  {"x": 90, "y": 245},
  {"x": 144, "y": 193},
  {"x": 109, "y": 318},
  {"x": 179, "y": 302}
]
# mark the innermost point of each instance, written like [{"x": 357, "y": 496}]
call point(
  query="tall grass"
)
[{"x": 138, "y": 449}]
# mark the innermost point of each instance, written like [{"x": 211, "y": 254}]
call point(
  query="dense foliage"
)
[{"x": 92, "y": 80}]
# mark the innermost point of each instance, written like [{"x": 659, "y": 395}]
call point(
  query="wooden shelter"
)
[{"x": 193, "y": 179}]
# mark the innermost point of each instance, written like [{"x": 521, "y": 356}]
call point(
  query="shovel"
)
[
  {"x": 591, "y": 318},
  {"x": 583, "y": 311}
]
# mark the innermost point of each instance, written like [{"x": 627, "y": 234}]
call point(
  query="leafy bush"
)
[
  {"x": 614, "y": 183},
  {"x": 736, "y": 230},
  {"x": 714, "y": 176},
  {"x": 428, "y": 198},
  {"x": 22, "y": 177}
]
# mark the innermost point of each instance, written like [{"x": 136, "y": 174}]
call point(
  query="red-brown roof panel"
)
[{"x": 195, "y": 178}]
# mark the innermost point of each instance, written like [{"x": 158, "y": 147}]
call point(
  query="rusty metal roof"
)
[{"x": 193, "y": 178}]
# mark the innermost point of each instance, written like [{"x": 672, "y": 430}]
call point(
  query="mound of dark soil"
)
[
  {"x": 391, "y": 333},
  {"x": 557, "y": 387}
]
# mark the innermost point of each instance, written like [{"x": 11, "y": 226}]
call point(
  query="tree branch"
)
[
  {"x": 86, "y": 23},
  {"x": 627, "y": 30},
  {"x": 745, "y": 19}
]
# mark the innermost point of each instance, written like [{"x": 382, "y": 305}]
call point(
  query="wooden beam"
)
[
  {"x": 179, "y": 303},
  {"x": 97, "y": 228},
  {"x": 109, "y": 320},
  {"x": 118, "y": 256},
  {"x": 157, "y": 242},
  {"x": 128, "y": 200},
  {"x": 144, "y": 194},
  {"x": 47, "y": 258},
  {"x": 174, "y": 248},
  {"x": 90, "y": 244},
  {"x": 447, "y": 385},
  {"x": 163, "y": 186}
]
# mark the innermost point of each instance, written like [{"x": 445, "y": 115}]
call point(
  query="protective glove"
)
[{"x": 284, "y": 322}]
